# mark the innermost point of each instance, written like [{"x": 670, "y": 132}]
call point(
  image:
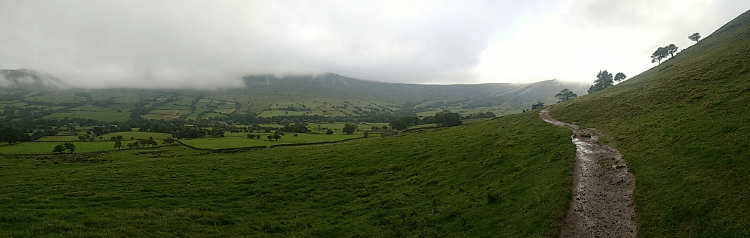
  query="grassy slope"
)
[
  {"x": 683, "y": 127},
  {"x": 508, "y": 177}
]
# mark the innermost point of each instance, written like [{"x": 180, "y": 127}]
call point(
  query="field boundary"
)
[
  {"x": 315, "y": 143},
  {"x": 244, "y": 149},
  {"x": 225, "y": 150}
]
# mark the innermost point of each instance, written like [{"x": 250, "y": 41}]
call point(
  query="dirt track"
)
[{"x": 602, "y": 204}]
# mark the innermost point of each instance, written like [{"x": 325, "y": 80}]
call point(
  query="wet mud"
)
[{"x": 602, "y": 204}]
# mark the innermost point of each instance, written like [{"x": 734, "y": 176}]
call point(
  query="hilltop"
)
[{"x": 683, "y": 129}]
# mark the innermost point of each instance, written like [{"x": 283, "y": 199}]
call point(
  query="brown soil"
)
[{"x": 602, "y": 204}]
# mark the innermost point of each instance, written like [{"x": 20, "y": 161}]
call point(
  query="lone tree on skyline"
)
[
  {"x": 695, "y": 37},
  {"x": 663, "y": 52},
  {"x": 537, "y": 105},
  {"x": 671, "y": 49},
  {"x": 565, "y": 95},
  {"x": 659, "y": 54},
  {"x": 603, "y": 80},
  {"x": 620, "y": 77}
]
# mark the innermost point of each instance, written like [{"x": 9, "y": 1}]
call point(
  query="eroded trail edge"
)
[{"x": 602, "y": 204}]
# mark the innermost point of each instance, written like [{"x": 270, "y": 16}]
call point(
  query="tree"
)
[
  {"x": 405, "y": 122},
  {"x": 447, "y": 118},
  {"x": 216, "y": 132},
  {"x": 603, "y": 80},
  {"x": 10, "y": 135},
  {"x": 329, "y": 132},
  {"x": 141, "y": 143},
  {"x": 277, "y": 134},
  {"x": 537, "y": 105},
  {"x": 350, "y": 128},
  {"x": 130, "y": 145},
  {"x": 270, "y": 137},
  {"x": 565, "y": 95},
  {"x": 620, "y": 76},
  {"x": 695, "y": 37},
  {"x": 153, "y": 142},
  {"x": 671, "y": 49},
  {"x": 118, "y": 144},
  {"x": 296, "y": 127},
  {"x": 58, "y": 149},
  {"x": 168, "y": 141},
  {"x": 70, "y": 147},
  {"x": 659, "y": 54}
]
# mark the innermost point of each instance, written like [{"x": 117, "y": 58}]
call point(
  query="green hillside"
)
[
  {"x": 684, "y": 129},
  {"x": 502, "y": 178},
  {"x": 326, "y": 95}
]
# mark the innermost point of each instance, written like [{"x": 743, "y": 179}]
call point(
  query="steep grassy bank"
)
[
  {"x": 684, "y": 129},
  {"x": 503, "y": 178}
]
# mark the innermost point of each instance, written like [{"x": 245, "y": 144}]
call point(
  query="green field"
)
[
  {"x": 58, "y": 138},
  {"x": 93, "y": 112},
  {"x": 200, "y": 108},
  {"x": 226, "y": 142},
  {"x": 237, "y": 140},
  {"x": 328, "y": 107},
  {"x": 269, "y": 113},
  {"x": 683, "y": 129},
  {"x": 213, "y": 115},
  {"x": 46, "y": 147},
  {"x": 138, "y": 135},
  {"x": 337, "y": 127},
  {"x": 508, "y": 178}
]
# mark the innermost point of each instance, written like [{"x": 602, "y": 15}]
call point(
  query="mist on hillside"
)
[{"x": 177, "y": 44}]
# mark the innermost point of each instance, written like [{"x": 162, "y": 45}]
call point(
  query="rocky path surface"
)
[{"x": 602, "y": 204}]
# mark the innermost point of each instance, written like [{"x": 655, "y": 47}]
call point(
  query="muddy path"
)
[{"x": 602, "y": 204}]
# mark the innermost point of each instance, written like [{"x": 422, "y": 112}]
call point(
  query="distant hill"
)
[
  {"x": 334, "y": 85},
  {"x": 326, "y": 94},
  {"x": 465, "y": 96},
  {"x": 543, "y": 91},
  {"x": 683, "y": 127},
  {"x": 28, "y": 79}
]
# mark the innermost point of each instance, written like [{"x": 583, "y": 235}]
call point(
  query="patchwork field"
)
[{"x": 93, "y": 112}]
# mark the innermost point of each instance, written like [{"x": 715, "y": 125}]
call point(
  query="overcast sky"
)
[{"x": 212, "y": 43}]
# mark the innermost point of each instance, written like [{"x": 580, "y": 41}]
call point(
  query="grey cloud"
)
[{"x": 189, "y": 43}]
